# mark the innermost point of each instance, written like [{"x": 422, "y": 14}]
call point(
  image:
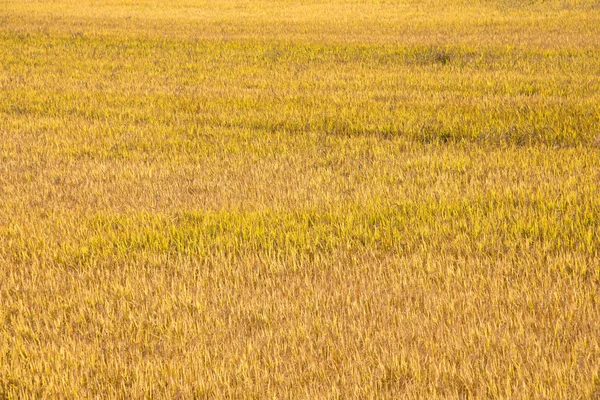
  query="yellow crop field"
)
[{"x": 356, "y": 199}]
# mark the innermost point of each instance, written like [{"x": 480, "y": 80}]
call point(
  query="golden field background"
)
[{"x": 280, "y": 199}]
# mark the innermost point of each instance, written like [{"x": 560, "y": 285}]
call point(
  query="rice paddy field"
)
[{"x": 300, "y": 199}]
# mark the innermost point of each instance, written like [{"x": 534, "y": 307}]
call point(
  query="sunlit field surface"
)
[{"x": 298, "y": 199}]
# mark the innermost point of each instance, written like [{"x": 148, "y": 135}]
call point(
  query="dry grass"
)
[{"x": 299, "y": 199}]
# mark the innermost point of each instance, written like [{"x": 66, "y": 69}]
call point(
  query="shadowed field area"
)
[{"x": 278, "y": 199}]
